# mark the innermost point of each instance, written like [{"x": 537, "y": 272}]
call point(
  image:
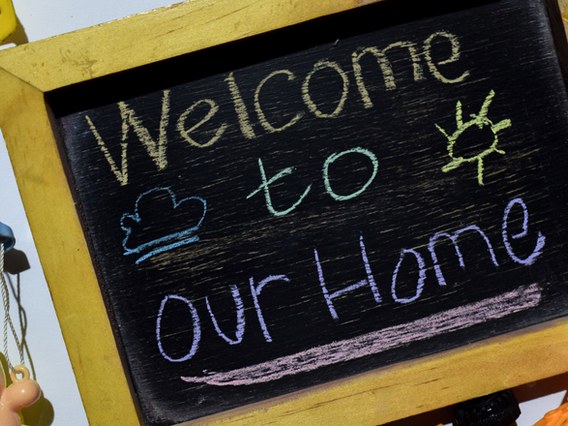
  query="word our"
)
[
  {"x": 257, "y": 287},
  {"x": 157, "y": 148}
]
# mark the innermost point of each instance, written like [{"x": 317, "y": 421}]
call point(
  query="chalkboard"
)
[{"x": 379, "y": 196}]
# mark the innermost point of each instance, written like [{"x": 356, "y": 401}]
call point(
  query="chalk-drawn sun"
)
[{"x": 481, "y": 121}]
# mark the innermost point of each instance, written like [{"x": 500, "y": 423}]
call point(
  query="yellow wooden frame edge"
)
[{"x": 383, "y": 395}]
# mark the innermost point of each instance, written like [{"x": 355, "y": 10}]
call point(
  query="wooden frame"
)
[{"x": 27, "y": 72}]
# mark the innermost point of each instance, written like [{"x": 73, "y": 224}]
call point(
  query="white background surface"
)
[{"x": 61, "y": 404}]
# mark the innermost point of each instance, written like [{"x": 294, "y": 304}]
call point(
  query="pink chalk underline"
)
[{"x": 522, "y": 298}]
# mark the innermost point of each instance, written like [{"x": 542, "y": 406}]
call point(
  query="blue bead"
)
[{"x": 7, "y": 237}]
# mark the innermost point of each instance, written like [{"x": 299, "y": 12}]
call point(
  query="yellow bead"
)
[{"x": 7, "y": 19}]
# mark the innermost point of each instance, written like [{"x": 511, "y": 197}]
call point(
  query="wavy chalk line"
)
[{"x": 522, "y": 298}]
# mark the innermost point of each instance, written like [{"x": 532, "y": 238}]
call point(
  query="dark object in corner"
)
[{"x": 497, "y": 409}]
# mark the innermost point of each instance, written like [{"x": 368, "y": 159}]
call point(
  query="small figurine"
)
[{"x": 20, "y": 394}]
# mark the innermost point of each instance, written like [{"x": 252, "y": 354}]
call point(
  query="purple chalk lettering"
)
[
  {"x": 196, "y": 329},
  {"x": 240, "y": 318},
  {"x": 454, "y": 238},
  {"x": 452, "y": 320},
  {"x": 370, "y": 281},
  {"x": 539, "y": 242},
  {"x": 255, "y": 290}
]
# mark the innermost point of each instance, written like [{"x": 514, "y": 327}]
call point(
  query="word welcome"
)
[
  {"x": 257, "y": 287},
  {"x": 156, "y": 148}
]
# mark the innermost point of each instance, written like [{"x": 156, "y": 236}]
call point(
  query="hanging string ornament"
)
[{"x": 23, "y": 391}]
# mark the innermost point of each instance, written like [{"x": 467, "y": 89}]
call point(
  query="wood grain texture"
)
[{"x": 154, "y": 36}]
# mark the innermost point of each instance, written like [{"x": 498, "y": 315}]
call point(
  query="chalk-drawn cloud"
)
[{"x": 160, "y": 223}]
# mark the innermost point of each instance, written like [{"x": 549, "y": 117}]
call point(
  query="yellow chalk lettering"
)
[
  {"x": 455, "y": 56},
  {"x": 267, "y": 126},
  {"x": 213, "y": 108},
  {"x": 306, "y": 89},
  {"x": 240, "y": 108},
  {"x": 157, "y": 151},
  {"x": 121, "y": 175},
  {"x": 386, "y": 68}
]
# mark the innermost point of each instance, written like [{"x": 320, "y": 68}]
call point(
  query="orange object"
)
[
  {"x": 558, "y": 417},
  {"x": 20, "y": 394}
]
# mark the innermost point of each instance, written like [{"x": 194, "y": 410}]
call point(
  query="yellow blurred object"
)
[
  {"x": 8, "y": 21},
  {"x": 563, "y": 4}
]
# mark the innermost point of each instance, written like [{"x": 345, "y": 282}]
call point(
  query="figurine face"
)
[{"x": 21, "y": 394}]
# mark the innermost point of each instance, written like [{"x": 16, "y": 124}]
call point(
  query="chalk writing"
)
[
  {"x": 333, "y": 157},
  {"x": 329, "y": 297},
  {"x": 386, "y": 68},
  {"x": 261, "y": 117},
  {"x": 454, "y": 238},
  {"x": 157, "y": 149},
  {"x": 455, "y": 56},
  {"x": 421, "y": 277},
  {"x": 255, "y": 290},
  {"x": 213, "y": 108},
  {"x": 265, "y": 187},
  {"x": 521, "y": 299},
  {"x": 480, "y": 120},
  {"x": 240, "y": 318},
  {"x": 240, "y": 108},
  {"x": 312, "y": 107},
  {"x": 122, "y": 174}
]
